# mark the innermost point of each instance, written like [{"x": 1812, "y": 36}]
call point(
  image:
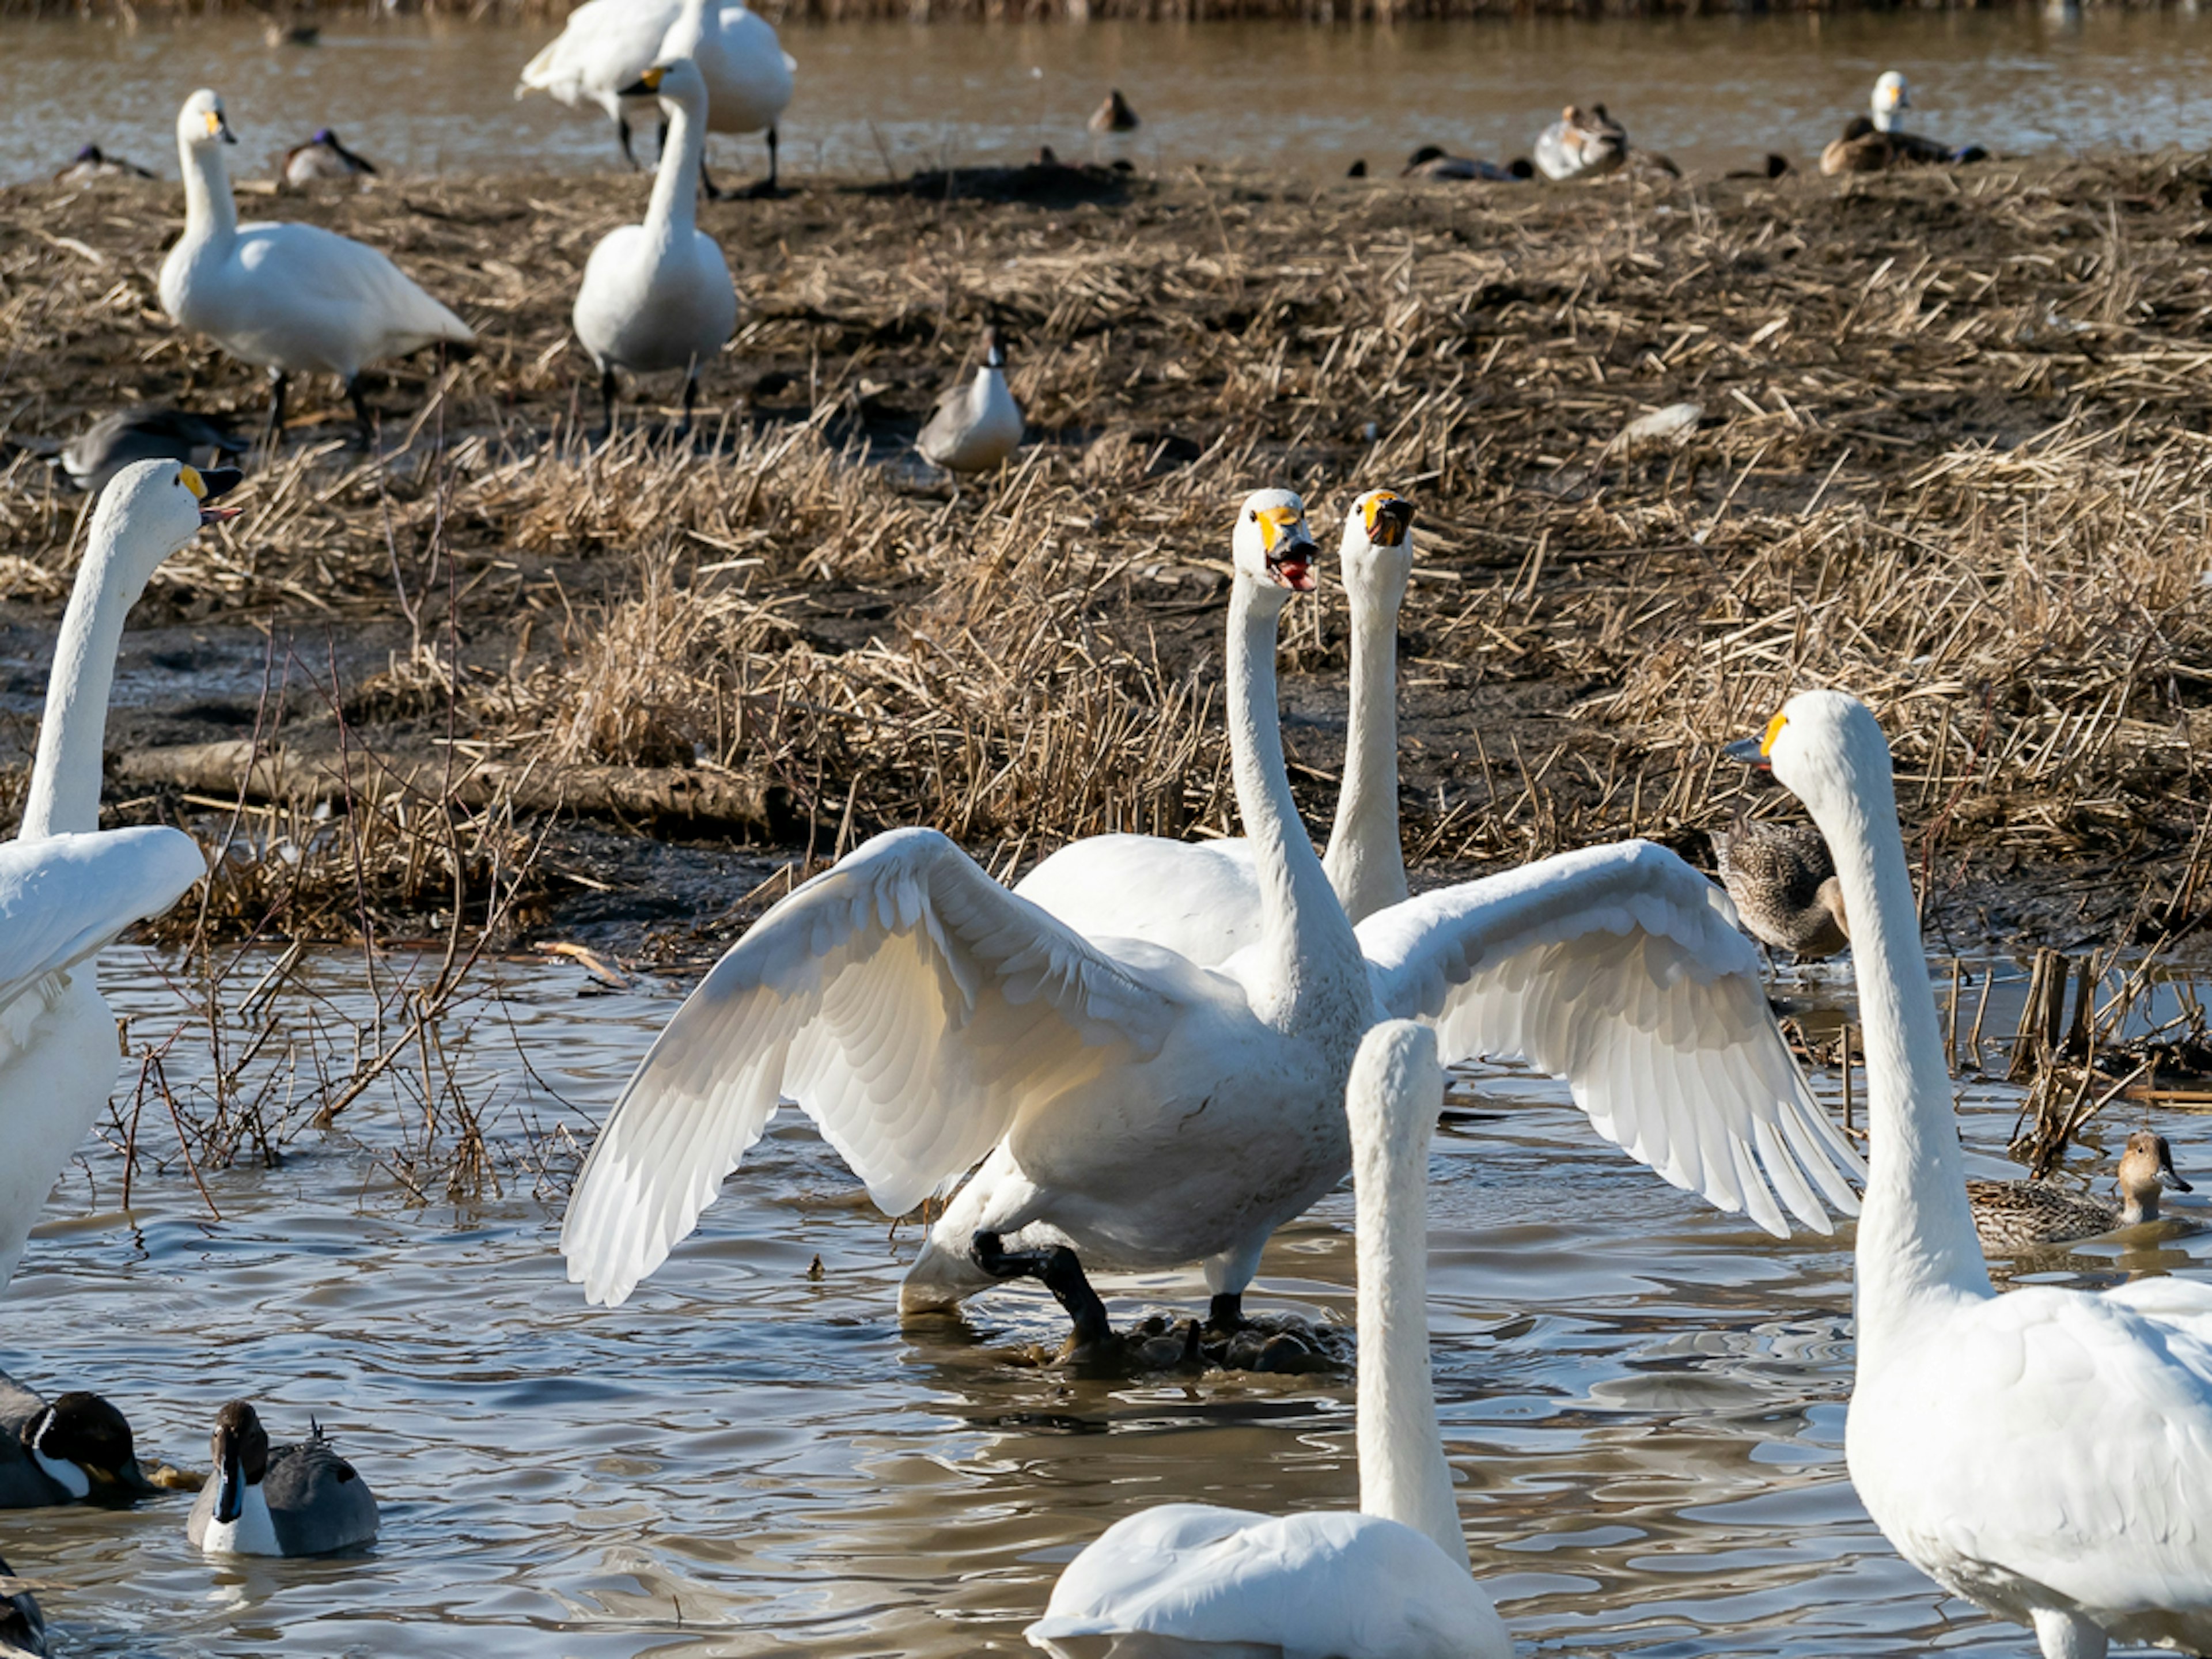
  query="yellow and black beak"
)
[
  {"x": 1389, "y": 517},
  {"x": 1290, "y": 547},
  {"x": 208, "y": 483},
  {"x": 646, "y": 85},
  {"x": 1758, "y": 751},
  {"x": 218, "y": 126}
]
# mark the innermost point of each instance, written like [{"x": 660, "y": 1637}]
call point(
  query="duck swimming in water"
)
[
  {"x": 74, "y": 1448},
  {"x": 2013, "y": 1216},
  {"x": 22, "y": 1627},
  {"x": 301, "y": 1500}
]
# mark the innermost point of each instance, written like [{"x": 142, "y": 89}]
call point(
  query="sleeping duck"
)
[{"x": 1431, "y": 163}]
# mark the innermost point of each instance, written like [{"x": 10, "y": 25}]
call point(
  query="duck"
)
[
  {"x": 2042, "y": 1454},
  {"x": 22, "y": 1627},
  {"x": 1582, "y": 143},
  {"x": 1113, "y": 115},
  {"x": 607, "y": 45},
  {"x": 76, "y": 1448},
  {"x": 321, "y": 157},
  {"x": 68, "y": 888},
  {"x": 658, "y": 296},
  {"x": 1874, "y": 141},
  {"x": 1389, "y": 1580},
  {"x": 932, "y": 1022},
  {"x": 290, "y": 298},
  {"x": 2011, "y": 1216},
  {"x": 1783, "y": 885},
  {"x": 92, "y": 162},
  {"x": 145, "y": 432},
  {"x": 299, "y": 1499},
  {"x": 974, "y": 427},
  {"x": 276, "y": 33},
  {"x": 1201, "y": 899},
  {"x": 1430, "y": 162}
]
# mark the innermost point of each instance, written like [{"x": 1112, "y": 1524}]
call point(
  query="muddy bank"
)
[{"x": 1946, "y": 453}]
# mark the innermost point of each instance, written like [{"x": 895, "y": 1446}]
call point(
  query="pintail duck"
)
[
  {"x": 301, "y": 1499},
  {"x": 147, "y": 432},
  {"x": 1431, "y": 163},
  {"x": 74, "y": 1448},
  {"x": 321, "y": 157},
  {"x": 2013, "y": 1216},
  {"x": 90, "y": 163},
  {"x": 1784, "y": 886},
  {"x": 22, "y": 1627},
  {"x": 971, "y": 428}
]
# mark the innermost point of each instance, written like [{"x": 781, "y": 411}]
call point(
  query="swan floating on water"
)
[
  {"x": 2044, "y": 1454},
  {"x": 1148, "y": 1112},
  {"x": 67, "y": 887},
  {"x": 657, "y": 296},
  {"x": 2013, "y": 1216},
  {"x": 607, "y": 45},
  {"x": 291, "y": 299},
  {"x": 974, "y": 427},
  {"x": 1783, "y": 884},
  {"x": 1388, "y": 1580},
  {"x": 301, "y": 1500}
]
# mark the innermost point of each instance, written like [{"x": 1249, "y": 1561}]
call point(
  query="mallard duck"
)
[
  {"x": 2012, "y": 1216},
  {"x": 321, "y": 157},
  {"x": 91, "y": 162},
  {"x": 1581, "y": 145},
  {"x": 301, "y": 1499},
  {"x": 1784, "y": 884}
]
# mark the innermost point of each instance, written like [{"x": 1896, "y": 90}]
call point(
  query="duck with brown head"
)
[{"x": 301, "y": 1499}]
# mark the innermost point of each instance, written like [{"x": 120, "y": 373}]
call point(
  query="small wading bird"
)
[
  {"x": 974, "y": 427},
  {"x": 1389, "y": 1580},
  {"x": 301, "y": 1499},
  {"x": 321, "y": 157},
  {"x": 67, "y": 887},
  {"x": 291, "y": 299},
  {"x": 607, "y": 44},
  {"x": 657, "y": 296},
  {"x": 2044, "y": 1454},
  {"x": 1147, "y": 1112}
]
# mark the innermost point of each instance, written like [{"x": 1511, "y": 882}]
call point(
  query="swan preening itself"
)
[
  {"x": 1150, "y": 1112},
  {"x": 973, "y": 427},
  {"x": 65, "y": 890},
  {"x": 291, "y": 299},
  {"x": 299, "y": 1499},
  {"x": 607, "y": 45},
  {"x": 2014, "y": 1216},
  {"x": 657, "y": 296},
  {"x": 1388, "y": 1580},
  {"x": 2044, "y": 1454},
  {"x": 1582, "y": 143}
]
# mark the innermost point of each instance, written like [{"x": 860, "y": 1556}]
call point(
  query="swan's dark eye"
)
[{"x": 1253, "y": 515}]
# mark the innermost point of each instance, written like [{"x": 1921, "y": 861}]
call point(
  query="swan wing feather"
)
[
  {"x": 351, "y": 285},
  {"x": 1619, "y": 969},
  {"x": 64, "y": 897},
  {"x": 910, "y": 1005}
]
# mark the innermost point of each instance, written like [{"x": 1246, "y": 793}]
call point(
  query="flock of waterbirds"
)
[{"x": 1150, "y": 1054}]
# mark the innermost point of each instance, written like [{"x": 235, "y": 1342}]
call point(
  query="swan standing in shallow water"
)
[
  {"x": 1388, "y": 1580},
  {"x": 657, "y": 296},
  {"x": 291, "y": 299},
  {"x": 1148, "y": 1112},
  {"x": 2044, "y": 1454},
  {"x": 66, "y": 891}
]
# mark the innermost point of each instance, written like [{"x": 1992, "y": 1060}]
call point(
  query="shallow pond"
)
[
  {"x": 1713, "y": 92},
  {"x": 1643, "y": 1399}
]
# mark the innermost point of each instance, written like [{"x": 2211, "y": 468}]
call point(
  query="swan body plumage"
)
[
  {"x": 1388, "y": 1580},
  {"x": 67, "y": 887},
  {"x": 2044, "y": 1453},
  {"x": 657, "y": 296},
  {"x": 1152, "y": 1111},
  {"x": 974, "y": 427}
]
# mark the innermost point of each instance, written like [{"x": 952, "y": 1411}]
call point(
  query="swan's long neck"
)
[
  {"x": 1314, "y": 963},
  {"x": 1365, "y": 862},
  {"x": 64, "y": 794},
  {"x": 210, "y": 214},
  {"x": 1403, "y": 1476},
  {"x": 1917, "y": 1249},
  {"x": 673, "y": 211}
]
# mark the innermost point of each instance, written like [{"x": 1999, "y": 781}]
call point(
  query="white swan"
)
[
  {"x": 1388, "y": 1580},
  {"x": 1149, "y": 1112},
  {"x": 292, "y": 299},
  {"x": 657, "y": 296},
  {"x": 2045, "y": 1453},
  {"x": 1201, "y": 899},
  {"x": 973, "y": 427},
  {"x": 1891, "y": 94},
  {"x": 606, "y": 44},
  {"x": 64, "y": 890}
]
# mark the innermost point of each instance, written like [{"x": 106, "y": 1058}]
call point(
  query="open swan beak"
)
[{"x": 216, "y": 481}]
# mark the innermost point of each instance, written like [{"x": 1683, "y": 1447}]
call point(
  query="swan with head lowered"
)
[
  {"x": 67, "y": 887},
  {"x": 1117, "y": 1097},
  {"x": 1389, "y": 1580},
  {"x": 2045, "y": 1453}
]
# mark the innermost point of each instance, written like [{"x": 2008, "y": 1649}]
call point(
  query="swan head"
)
[
  {"x": 1891, "y": 94},
  {"x": 1828, "y": 750},
  {"x": 2146, "y": 1165},
  {"x": 83, "y": 1444},
  {"x": 239, "y": 1449},
  {"x": 1273, "y": 548},
  {"x": 200, "y": 122},
  {"x": 151, "y": 508},
  {"x": 677, "y": 82},
  {"x": 1378, "y": 548}
]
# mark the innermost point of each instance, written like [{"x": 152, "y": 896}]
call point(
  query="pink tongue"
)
[{"x": 1299, "y": 574}]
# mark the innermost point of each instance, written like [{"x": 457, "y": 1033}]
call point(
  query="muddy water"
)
[
  {"x": 1713, "y": 92},
  {"x": 1643, "y": 1400}
]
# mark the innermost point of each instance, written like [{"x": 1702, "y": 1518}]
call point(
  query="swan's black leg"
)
[
  {"x": 607, "y": 402},
  {"x": 1063, "y": 1274},
  {"x": 1226, "y": 1312},
  {"x": 767, "y": 187},
  {"x": 275, "y": 433},
  {"x": 621, "y": 127},
  {"x": 360, "y": 410},
  {"x": 707, "y": 179},
  {"x": 690, "y": 396}
]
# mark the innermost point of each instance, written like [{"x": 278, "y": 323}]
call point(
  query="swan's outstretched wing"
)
[
  {"x": 1619, "y": 969},
  {"x": 64, "y": 897},
  {"x": 912, "y": 1007}
]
